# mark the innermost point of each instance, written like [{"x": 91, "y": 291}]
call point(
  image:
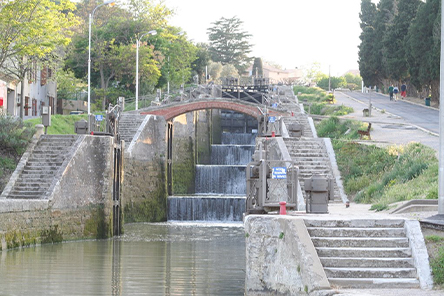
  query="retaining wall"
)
[{"x": 79, "y": 207}]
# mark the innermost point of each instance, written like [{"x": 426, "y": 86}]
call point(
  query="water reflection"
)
[{"x": 149, "y": 259}]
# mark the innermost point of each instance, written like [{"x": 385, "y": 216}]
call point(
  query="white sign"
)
[{"x": 279, "y": 173}]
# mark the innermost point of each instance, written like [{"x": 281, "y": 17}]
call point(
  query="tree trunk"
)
[{"x": 434, "y": 86}]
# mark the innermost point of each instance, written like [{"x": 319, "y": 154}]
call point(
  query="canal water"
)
[{"x": 149, "y": 259}]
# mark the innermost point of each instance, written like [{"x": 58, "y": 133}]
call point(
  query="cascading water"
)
[{"x": 220, "y": 186}]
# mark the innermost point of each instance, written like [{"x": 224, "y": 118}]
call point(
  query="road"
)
[{"x": 421, "y": 116}]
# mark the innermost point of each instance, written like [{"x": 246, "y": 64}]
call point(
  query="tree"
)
[
  {"x": 367, "y": 52},
  {"x": 258, "y": 70},
  {"x": 30, "y": 33},
  {"x": 395, "y": 40},
  {"x": 203, "y": 59},
  {"x": 229, "y": 44},
  {"x": 214, "y": 70},
  {"x": 229, "y": 71},
  {"x": 424, "y": 49},
  {"x": 34, "y": 27},
  {"x": 335, "y": 82},
  {"x": 314, "y": 73}
]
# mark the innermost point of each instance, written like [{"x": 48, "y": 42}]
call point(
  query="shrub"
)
[
  {"x": 437, "y": 265},
  {"x": 14, "y": 136}
]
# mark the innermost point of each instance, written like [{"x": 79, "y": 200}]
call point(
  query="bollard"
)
[
  {"x": 292, "y": 114},
  {"x": 283, "y": 209},
  {"x": 272, "y": 134}
]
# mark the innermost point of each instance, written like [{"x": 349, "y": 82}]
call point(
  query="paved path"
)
[{"x": 391, "y": 125}]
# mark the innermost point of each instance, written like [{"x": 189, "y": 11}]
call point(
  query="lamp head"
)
[{"x": 152, "y": 32}]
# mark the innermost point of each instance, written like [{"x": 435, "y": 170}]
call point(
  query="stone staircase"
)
[
  {"x": 371, "y": 253},
  {"x": 42, "y": 166},
  {"x": 311, "y": 156},
  {"x": 129, "y": 123}
]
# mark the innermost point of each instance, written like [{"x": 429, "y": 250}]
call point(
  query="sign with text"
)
[
  {"x": 279, "y": 173},
  {"x": 99, "y": 117},
  {"x": 272, "y": 119}
]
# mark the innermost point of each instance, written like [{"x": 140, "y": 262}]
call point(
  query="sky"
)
[{"x": 290, "y": 33}]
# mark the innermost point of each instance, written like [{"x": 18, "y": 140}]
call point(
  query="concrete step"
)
[
  {"x": 374, "y": 283},
  {"x": 21, "y": 196},
  {"x": 355, "y": 232},
  {"x": 360, "y": 242},
  {"x": 359, "y": 272},
  {"x": 366, "y": 262},
  {"x": 364, "y": 252},
  {"x": 356, "y": 223}
]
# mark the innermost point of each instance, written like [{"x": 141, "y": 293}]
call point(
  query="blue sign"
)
[
  {"x": 274, "y": 105},
  {"x": 99, "y": 117},
  {"x": 279, "y": 173},
  {"x": 272, "y": 119}
]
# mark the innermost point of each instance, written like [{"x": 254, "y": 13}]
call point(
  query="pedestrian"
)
[
  {"x": 396, "y": 91},
  {"x": 391, "y": 92},
  {"x": 403, "y": 91}
]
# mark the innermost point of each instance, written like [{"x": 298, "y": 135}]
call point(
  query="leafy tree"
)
[
  {"x": 335, "y": 82},
  {"x": 202, "y": 61},
  {"x": 34, "y": 27},
  {"x": 31, "y": 31},
  {"x": 314, "y": 73},
  {"x": 68, "y": 86},
  {"x": 229, "y": 71},
  {"x": 258, "y": 70},
  {"x": 353, "y": 81},
  {"x": 229, "y": 44},
  {"x": 367, "y": 51},
  {"x": 214, "y": 70}
]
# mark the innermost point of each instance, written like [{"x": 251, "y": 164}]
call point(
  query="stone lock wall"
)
[
  {"x": 79, "y": 206},
  {"x": 144, "y": 193}
]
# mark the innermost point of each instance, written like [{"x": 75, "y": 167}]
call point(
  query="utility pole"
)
[{"x": 441, "y": 124}]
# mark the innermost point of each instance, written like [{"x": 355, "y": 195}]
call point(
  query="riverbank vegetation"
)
[{"x": 16, "y": 134}]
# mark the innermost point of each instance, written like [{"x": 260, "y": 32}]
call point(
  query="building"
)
[
  {"x": 286, "y": 76},
  {"x": 40, "y": 89}
]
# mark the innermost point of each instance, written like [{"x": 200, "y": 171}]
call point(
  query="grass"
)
[
  {"x": 319, "y": 102},
  {"x": 60, "y": 124},
  {"x": 435, "y": 245}
]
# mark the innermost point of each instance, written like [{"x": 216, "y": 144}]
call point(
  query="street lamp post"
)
[
  {"x": 91, "y": 15},
  {"x": 152, "y": 32}
]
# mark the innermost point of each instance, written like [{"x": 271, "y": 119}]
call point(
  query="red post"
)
[
  {"x": 272, "y": 134},
  {"x": 292, "y": 114},
  {"x": 283, "y": 209}
]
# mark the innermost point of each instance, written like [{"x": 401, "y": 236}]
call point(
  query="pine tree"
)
[
  {"x": 229, "y": 44},
  {"x": 366, "y": 53}
]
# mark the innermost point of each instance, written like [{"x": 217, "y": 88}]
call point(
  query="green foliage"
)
[
  {"x": 60, "y": 124},
  {"x": 434, "y": 238},
  {"x": 281, "y": 235},
  {"x": 51, "y": 235},
  {"x": 14, "y": 136},
  {"x": 335, "y": 82},
  {"x": 334, "y": 128},
  {"x": 34, "y": 28},
  {"x": 229, "y": 44},
  {"x": 437, "y": 265},
  {"x": 383, "y": 176}
]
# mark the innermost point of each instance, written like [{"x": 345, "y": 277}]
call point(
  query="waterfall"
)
[{"x": 220, "y": 186}]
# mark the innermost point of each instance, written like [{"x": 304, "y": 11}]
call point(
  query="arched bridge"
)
[{"x": 172, "y": 110}]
